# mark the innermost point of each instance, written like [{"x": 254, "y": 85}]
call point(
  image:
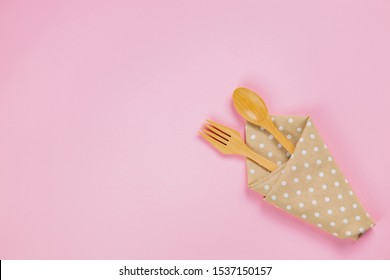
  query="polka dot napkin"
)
[{"x": 307, "y": 184}]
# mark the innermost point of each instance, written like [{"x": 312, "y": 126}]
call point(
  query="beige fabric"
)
[{"x": 307, "y": 184}]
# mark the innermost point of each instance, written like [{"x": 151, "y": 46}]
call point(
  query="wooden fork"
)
[{"x": 228, "y": 141}]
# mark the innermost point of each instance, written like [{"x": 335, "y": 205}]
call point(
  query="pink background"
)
[{"x": 101, "y": 101}]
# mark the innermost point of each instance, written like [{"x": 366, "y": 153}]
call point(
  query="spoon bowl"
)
[
  {"x": 250, "y": 105},
  {"x": 253, "y": 109}
]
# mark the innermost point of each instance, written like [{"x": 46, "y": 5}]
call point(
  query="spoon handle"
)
[{"x": 269, "y": 125}]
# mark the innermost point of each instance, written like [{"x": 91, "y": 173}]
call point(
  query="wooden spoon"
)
[{"x": 252, "y": 108}]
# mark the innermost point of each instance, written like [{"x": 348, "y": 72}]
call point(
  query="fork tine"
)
[
  {"x": 215, "y": 132},
  {"x": 220, "y": 127},
  {"x": 214, "y": 136},
  {"x": 215, "y": 142}
]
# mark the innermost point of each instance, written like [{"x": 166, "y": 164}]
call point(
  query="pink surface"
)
[{"x": 101, "y": 101}]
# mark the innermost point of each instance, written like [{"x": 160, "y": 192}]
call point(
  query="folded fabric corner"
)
[{"x": 308, "y": 183}]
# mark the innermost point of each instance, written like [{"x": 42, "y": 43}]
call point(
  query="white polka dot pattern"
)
[{"x": 307, "y": 184}]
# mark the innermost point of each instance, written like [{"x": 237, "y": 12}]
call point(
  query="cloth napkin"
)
[{"x": 308, "y": 183}]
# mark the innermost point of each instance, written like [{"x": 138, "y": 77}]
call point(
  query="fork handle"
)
[{"x": 262, "y": 161}]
